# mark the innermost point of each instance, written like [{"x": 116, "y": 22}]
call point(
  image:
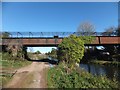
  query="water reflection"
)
[{"x": 110, "y": 71}]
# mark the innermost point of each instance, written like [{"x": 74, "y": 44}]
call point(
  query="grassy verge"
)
[
  {"x": 9, "y": 64},
  {"x": 113, "y": 63},
  {"x": 58, "y": 77},
  {"x": 14, "y": 64}
]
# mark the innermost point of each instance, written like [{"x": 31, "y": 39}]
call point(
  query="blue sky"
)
[
  {"x": 57, "y": 17},
  {"x": 53, "y": 17},
  {"x": 41, "y": 49}
]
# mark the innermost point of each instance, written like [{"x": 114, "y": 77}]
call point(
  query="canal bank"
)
[{"x": 110, "y": 71}]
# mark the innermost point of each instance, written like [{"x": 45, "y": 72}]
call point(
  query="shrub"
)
[
  {"x": 59, "y": 78},
  {"x": 87, "y": 39},
  {"x": 71, "y": 50}
]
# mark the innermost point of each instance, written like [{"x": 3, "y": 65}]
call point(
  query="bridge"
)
[{"x": 55, "y": 38}]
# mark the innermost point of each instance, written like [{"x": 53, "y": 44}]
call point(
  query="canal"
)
[{"x": 109, "y": 71}]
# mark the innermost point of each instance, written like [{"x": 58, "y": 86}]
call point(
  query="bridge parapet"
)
[{"x": 59, "y": 34}]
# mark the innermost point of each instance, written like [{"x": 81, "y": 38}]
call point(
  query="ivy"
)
[{"x": 71, "y": 50}]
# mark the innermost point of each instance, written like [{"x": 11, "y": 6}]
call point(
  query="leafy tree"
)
[
  {"x": 86, "y": 29},
  {"x": 37, "y": 52},
  {"x": 71, "y": 50},
  {"x": 53, "y": 53}
]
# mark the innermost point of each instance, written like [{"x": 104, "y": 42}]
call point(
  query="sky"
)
[{"x": 57, "y": 16}]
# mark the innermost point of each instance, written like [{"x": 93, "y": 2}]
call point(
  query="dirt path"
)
[{"x": 32, "y": 76}]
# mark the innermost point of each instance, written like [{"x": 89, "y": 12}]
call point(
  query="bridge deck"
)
[{"x": 49, "y": 41}]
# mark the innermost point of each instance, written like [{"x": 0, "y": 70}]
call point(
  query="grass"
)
[
  {"x": 4, "y": 79},
  {"x": 101, "y": 62},
  {"x": 14, "y": 64},
  {"x": 9, "y": 63}
]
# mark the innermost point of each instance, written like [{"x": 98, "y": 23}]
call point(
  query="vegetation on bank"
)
[
  {"x": 71, "y": 50},
  {"x": 101, "y": 62},
  {"x": 68, "y": 75},
  {"x": 8, "y": 61},
  {"x": 58, "y": 77},
  {"x": 8, "y": 65}
]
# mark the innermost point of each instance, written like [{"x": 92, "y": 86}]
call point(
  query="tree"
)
[
  {"x": 71, "y": 50},
  {"x": 15, "y": 48},
  {"x": 86, "y": 29},
  {"x": 37, "y": 52},
  {"x": 112, "y": 49},
  {"x": 52, "y": 53},
  {"x": 86, "y": 32},
  {"x": 118, "y": 34},
  {"x": 109, "y": 31},
  {"x": 118, "y": 31}
]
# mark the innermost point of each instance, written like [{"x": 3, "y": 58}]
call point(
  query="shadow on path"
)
[{"x": 50, "y": 61}]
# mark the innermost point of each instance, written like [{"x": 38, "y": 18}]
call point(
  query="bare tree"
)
[
  {"x": 112, "y": 49},
  {"x": 86, "y": 29},
  {"x": 118, "y": 31},
  {"x": 109, "y": 31}
]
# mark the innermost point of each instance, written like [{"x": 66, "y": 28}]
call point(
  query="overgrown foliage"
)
[
  {"x": 59, "y": 78},
  {"x": 87, "y": 39},
  {"x": 37, "y": 52},
  {"x": 15, "y": 48},
  {"x": 118, "y": 33},
  {"x": 52, "y": 53},
  {"x": 71, "y": 50},
  {"x": 108, "y": 63},
  {"x": 112, "y": 49},
  {"x": 9, "y": 63}
]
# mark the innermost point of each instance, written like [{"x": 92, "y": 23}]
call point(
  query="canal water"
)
[
  {"x": 109, "y": 71},
  {"x": 96, "y": 69}
]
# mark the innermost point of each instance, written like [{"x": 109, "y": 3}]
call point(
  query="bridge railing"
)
[{"x": 52, "y": 34}]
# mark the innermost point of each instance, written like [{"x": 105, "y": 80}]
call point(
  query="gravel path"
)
[{"x": 32, "y": 76}]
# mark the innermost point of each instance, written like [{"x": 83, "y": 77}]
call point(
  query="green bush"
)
[
  {"x": 58, "y": 77},
  {"x": 15, "y": 62},
  {"x": 71, "y": 50},
  {"x": 87, "y": 39},
  {"x": 9, "y": 62}
]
